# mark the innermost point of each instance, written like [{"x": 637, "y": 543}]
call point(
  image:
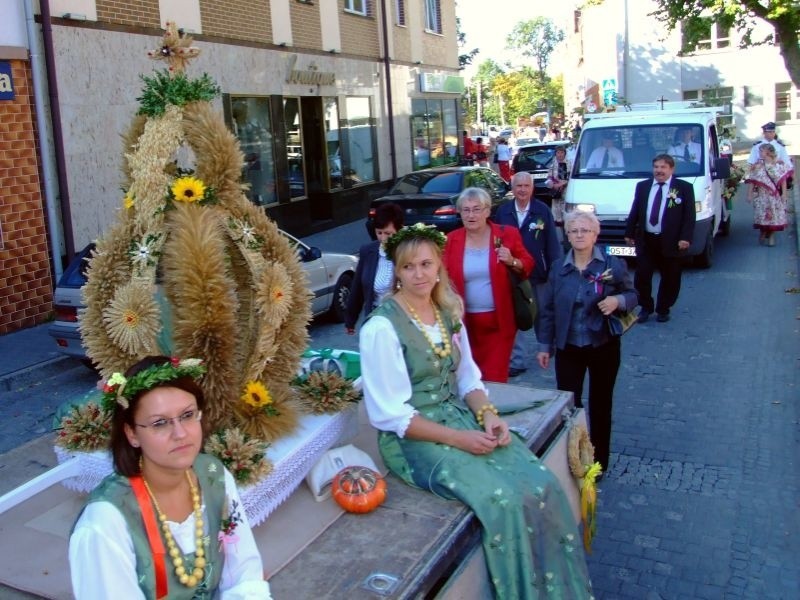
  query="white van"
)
[{"x": 606, "y": 187}]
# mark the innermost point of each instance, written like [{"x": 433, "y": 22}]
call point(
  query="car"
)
[
  {"x": 537, "y": 159},
  {"x": 525, "y": 141},
  {"x": 429, "y": 196},
  {"x": 329, "y": 276}
]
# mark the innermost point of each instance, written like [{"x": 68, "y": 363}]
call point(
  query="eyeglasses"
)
[
  {"x": 472, "y": 211},
  {"x": 581, "y": 231},
  {"x": 162, "y": 426}
]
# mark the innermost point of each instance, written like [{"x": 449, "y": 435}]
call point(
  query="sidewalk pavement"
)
[{"x": 31, "y": 353}]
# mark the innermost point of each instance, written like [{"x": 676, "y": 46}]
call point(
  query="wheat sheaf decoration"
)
[{"x": 192, "y": 268}]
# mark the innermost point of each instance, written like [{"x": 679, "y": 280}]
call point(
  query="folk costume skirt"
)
[{"x": 530, "y": 539}]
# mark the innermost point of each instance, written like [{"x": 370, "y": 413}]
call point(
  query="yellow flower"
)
[
  {"x": 188, "y": 189},
  {"x": 128, "y": 202},
  {"x": 256, "y": 395}
]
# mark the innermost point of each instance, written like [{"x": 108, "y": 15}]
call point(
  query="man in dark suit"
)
[
  {"x": 535, "y": 222},
  {"x": 661, "y": 225}
]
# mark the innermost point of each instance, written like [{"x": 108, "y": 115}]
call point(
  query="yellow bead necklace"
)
[
  {"x": 440, "y": 352},
  {"x": 189, "y": 579}
]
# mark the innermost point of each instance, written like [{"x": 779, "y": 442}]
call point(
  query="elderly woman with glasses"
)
[
  {"x": 583, "y": 288},
  {"x": 169, "y": 521},
  {"x": 478, "y": 258}
]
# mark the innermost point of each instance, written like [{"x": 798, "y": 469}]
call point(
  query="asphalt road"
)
[{"x": 702, "y": 496}]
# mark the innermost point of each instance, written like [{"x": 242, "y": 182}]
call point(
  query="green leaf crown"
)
[
  {"x": 120, "y": 389},
  {"x": 416, "y": 231}
]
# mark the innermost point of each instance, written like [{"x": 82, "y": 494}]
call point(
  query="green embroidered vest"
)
[{"x": 117, "y": 490}]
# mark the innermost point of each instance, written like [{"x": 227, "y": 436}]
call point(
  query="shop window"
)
[
  {"x": 358, "y": 128},
  {"x": 433, "y": 16},
  {"x": 332, "y": 142},
  {"x": 434, "y": 132},
  {"x": 249, "y": 118},
  {"x": 292, "y": 120}
]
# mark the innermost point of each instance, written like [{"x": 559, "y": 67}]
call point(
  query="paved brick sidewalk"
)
[{"x": 701, "y": 500}]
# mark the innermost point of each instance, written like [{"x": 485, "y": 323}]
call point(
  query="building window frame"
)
[
  {"x": 433, "y": 16},
  {"x": 400, "y": 12},
  {"x": 715, "y": 96},
  {"x": 357, "y": 7},
  {"x": 718, "y": 37}
]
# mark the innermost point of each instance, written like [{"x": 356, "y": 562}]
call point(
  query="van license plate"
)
[
  {"x": 621, "y": 250},
  {"x": 538, "y": 176}
]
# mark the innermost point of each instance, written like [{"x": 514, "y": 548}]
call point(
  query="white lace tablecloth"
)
[{"x": 291, "y": 457}]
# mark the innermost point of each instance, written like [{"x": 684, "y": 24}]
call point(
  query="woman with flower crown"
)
[
  {"x": 439, "y": 432},
  {"x": 766, "y": 189},
  {"x": 168, "y": 522}
]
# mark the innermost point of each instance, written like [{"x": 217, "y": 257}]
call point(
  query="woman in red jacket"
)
[{"x": 477, "y": 257}]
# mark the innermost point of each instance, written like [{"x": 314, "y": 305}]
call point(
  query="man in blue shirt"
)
[{"x": 535, "y": 222}]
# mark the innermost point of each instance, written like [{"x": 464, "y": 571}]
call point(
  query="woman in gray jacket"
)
[{"x": 583, "y": 289}]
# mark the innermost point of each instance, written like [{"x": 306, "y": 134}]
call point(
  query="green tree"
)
[
  {"x": 468, "y": 56},
  {"x": 694, "y": 16},
  {"x": 537, "y": 39}
]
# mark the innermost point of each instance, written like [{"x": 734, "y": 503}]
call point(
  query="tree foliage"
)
[
  {"x": 469, "y": 55},
  {"x": 695, "y": 17},
  {"x": 537, "y": 39}
]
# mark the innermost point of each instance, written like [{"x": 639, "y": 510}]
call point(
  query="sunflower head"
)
[
  {"x": 128, "y": 202},
  {"x": 256, "y": 395},
  {"x": 188, "y": 189}
]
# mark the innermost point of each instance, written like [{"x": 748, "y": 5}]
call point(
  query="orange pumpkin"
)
[{"x": 358, "y": 489}]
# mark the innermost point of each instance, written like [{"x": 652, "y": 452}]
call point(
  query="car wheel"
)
[
  {"x": 340, "y": 295},
  {"x": 705, "y": 259}
]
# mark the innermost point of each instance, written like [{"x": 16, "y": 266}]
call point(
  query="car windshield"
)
[
  {"x": 428, "y": 183},
  {"x": 628, "y": 151},
  {"x": 526, "y": 141},
  {"x": 535, "y": 157}
]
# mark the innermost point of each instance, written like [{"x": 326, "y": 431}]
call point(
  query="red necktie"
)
[{"x": 655, "y": 212}]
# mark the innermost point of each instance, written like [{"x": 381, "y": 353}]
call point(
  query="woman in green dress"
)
[{"x": 439, "y": 432}]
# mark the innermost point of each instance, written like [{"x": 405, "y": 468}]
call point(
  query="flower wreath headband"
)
[
  {"x": 120, "y": 390},
  {"x": 418, "y": 231}
]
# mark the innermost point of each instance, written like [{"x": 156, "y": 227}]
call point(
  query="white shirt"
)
[
  {"x": 651, "y": 199},
  {"x": 522, "y": 214},
  {"x": 780, "y": 151},
  {"x": 387, "y": 387},
  {"x": 103, "y": 564},
  {"x": 679, "y": 151},
  {"x": 615, "y": 158},
  {"x": 503, "y": 152}
]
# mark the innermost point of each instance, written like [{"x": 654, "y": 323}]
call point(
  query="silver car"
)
[{"x": 329, "y": 277}]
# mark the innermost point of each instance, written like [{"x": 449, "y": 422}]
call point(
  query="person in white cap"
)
[{"x": 770, "y": 136}]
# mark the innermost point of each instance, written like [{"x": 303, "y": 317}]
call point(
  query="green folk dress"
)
[{"x": 532, "y": 545}]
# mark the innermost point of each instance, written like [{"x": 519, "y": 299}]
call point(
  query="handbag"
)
[
  {"x": 524, "y": 301},
  {"x": 619, "y": 322}
]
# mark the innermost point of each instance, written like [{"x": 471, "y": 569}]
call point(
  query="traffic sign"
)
[{"x": 610, "y": 84}]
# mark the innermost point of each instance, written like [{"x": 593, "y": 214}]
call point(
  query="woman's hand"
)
[
  {"x": 474, "y": 441},
  {"x": 543, "y": 358},
  {"x": 505, "y": 257},
  {"x": 497, "y": 427},
  {"x": 608, "y": 305}
]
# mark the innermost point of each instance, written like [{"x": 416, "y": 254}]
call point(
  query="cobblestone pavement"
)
[{"x": 701, "y": 500}]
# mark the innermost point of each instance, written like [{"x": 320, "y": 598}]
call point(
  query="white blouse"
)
[
  {"x": 387, "y": 387},
  {"x": 103, "y": 564}
]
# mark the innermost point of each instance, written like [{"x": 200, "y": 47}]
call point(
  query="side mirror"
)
[
  {"x": 313, "y": 253},
  {"x": 721, "y": 168}
]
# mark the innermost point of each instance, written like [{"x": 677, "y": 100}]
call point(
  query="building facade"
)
[
  {"x": 638, "y": 60},
  {"x": 331, "y": 100}
]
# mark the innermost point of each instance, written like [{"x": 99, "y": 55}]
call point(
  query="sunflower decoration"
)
[
  {"x": 133, "y": 319},
  {"x": 257, "y": 396},
  {"x": 188, "y": 189},
  {"x": 128, "y": 202}
]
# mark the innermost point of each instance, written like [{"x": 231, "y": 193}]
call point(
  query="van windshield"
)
[{"x": 627, "y": 151}]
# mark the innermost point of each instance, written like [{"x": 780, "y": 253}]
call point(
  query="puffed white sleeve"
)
[
  {"x": 243, "y": 574},
  {"x": 387, "y": 387},
  {"x": 468, "y": 374},
  {"x": 102, "y": 562}
]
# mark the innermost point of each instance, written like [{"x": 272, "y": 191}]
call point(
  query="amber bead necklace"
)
[{"x": 189, "y": 578}]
